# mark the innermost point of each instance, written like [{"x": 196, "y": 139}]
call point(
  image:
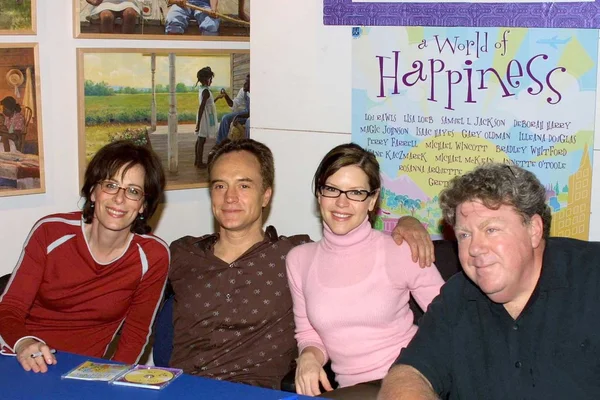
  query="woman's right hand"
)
[
  {"x": 309, "y": 373},
  {"x": 29, "y": 346}
]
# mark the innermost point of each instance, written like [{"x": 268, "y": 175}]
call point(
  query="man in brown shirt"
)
[{"x": 233, "y": 315}]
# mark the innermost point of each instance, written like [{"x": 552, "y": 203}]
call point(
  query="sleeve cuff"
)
[
  {"x": 424, "y": 369},
  {"x": 23, "y": 338},
  {"x": 318, "y": 345}
]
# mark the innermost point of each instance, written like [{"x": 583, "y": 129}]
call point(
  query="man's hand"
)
[
  {"x": 409, "y": 229},
  {"x": 95, "y": 3},
  {"x": 180, "y": 3},
  {"x": 26, "y": 348},
  {"x": 211, "y": 14},
  {"x": 309, "y": 373}
]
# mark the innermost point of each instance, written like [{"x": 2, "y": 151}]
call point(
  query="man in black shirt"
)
[{"x": 522, "y": 320}]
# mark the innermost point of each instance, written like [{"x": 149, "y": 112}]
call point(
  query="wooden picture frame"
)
[
  {"x": 123, "y": 93},
  {"x": 151, "y": 19},
  {"x": 21, "y": 144},
  {"x": 18, "y": 17}
]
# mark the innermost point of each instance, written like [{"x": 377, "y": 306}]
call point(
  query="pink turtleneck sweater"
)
[{"x": 350, "y": 296}]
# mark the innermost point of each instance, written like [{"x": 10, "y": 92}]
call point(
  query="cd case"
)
[
  {"x": 148, "y": 377},
  {"x": 94, "y": 371},
  {"x": 143, "y": 376}
]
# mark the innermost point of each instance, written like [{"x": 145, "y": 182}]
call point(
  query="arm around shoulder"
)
[
  {"x": 404, "y": 382},
  {"x": 411, "y": 230}
]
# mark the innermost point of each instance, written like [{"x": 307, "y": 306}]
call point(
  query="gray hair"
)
[{"x": 497, "y": 184}]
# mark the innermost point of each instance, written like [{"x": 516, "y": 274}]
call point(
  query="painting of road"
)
[{"x": 133, "y": 94}]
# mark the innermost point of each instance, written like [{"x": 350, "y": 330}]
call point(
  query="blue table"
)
[{"x": 16, "y": 384}]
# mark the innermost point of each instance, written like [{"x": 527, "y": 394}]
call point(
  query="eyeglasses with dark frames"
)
[
  {"x": 354, "y": 195},
  {"x": 131, "y": 192}
]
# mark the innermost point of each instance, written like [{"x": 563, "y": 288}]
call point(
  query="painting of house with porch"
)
[{"x": 153, "y": 99}]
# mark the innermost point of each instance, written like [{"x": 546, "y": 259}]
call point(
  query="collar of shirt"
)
[{"x": 207, "y": 243}]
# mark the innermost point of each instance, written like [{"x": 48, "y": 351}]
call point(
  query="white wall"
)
[
  {"x": 187, "y": 212},
  {"x": 300, "y": 107}
]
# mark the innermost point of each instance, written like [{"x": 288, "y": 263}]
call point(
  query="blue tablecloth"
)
[{"x": 16, "y": 384}]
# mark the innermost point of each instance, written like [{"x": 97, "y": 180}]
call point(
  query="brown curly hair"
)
[{"x": 495, "y": 185}]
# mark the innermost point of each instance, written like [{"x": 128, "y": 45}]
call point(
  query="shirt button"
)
[
  {"x": 518, "y": 364},
  {"x": 515, "y": 327}
]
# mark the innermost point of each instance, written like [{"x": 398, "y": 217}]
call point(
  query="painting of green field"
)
[
  {"x": 118, "y": 88},
  {"x": 128, "y": 108},
  {"x": 110, "y": 115},
  {"x": 15, "y": 16},
  {"x": 99, "y": 135}
]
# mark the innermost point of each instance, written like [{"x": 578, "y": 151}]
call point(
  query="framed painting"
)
[
  {"x": 152, "y": 97},
  {"x": 18, "y": 17},
  {"x": 162, "y": 19},
  {"x": 21, "y": 149}
]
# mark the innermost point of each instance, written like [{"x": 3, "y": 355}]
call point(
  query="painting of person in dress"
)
[
  {"x": 12, "y": 124},
  {"x": 109, "y": 10}
]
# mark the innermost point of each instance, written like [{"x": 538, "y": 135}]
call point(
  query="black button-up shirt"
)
[{"x": 469, "y": 347}]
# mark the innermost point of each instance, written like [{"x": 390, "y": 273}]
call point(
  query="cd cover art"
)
[
  {"x": 147, "y": 377},
  {"x": 94, "y": 371}
]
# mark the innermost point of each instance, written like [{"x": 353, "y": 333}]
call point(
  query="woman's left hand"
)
[
  {"x": 409, "y": 229},
  {"x": 25, "y": 355},
  {"x": 309, "y": 373}
]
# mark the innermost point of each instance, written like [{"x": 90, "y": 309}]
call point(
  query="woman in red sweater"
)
[{"x": 83, "y": 276}]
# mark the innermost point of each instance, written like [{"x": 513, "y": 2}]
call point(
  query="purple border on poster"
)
[{"x": 527, "y": 15}]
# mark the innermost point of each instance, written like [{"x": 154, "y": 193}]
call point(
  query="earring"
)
[
  {"x": 93, "y": 204},
  {"x": 141, "y": 217}
]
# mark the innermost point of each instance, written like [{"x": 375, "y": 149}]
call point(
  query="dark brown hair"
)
[
  {"x": 107, "y": 162},
  {"x": 495, "y": 185},
  {"x": 10, "y": 103},
  {"x": 345, "y": 155},
  {"x": 262, "y": 153},
  {"x": 203, "y": 75}
]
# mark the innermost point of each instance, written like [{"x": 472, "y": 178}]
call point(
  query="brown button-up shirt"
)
[{"x": 233, "y": 321}]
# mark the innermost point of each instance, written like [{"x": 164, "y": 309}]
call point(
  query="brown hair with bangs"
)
[
  {"x": 345, "y": 155},
  {"x": 107, "y": 162}
]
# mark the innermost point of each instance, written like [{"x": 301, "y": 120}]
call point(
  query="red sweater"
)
[{"x": 61, "y": 295}]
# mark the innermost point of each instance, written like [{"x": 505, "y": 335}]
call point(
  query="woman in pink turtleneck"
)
[{"x": 351, "y": 288}]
